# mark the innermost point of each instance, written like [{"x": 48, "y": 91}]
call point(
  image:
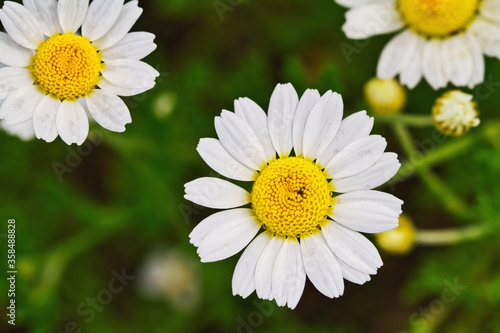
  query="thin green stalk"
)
[
  {"x": 418, "y": 161},
  {"x": 407, "y": 119},
  {"x": 450, "y": 236},
  {"x": 450, "y": 200},
  {"x": 449, "y": 150}
]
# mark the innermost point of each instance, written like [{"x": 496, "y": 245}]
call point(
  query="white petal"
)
[
  {"x": 128, "y": 16},
  {"x": 46, "y": 13},
  {"x": 379, "y": 173},
  {"x": 458, "y": 61},
  {"x": 121, "y": 91},
  {"x": 352, "y": 248},
  {"x": 21, "y": 25},
  {"x": 478, "y": 58},
  {"x": 358, "y": 3},
  {"x": 229, "y": 238},
  {"x": 13, "y": 54},
  {"x": 240, "y": 140},
  {"x": 432, "y": 67},
  {"x": 214, "y": 154},
  {"x": 365, "y": 216},
  {"x": 72, "y": 122},
  {"x": 490, "y": 9},
  {"x": 23, "y": 131},
  {"x": 321, "y": 265},
  {"x": 352, "y": 274},
  {"x": 358, "y": 243},
  {"x": 382, "y": 198},
  {"x": 354, "y": 127},
  {"x": 488, "y": 36},
  {"x": 135, "y": 45},
  {"x": 20, "y": 105},
  {"x": 304, "y": 108},
  {"x": 71, "y": 14},
  {"x": 108, "y": 110},
  {"x": 215, "y": 193},
  {"x": 289, "y": 276},
  {"x": 322, "y": 124},
  {"x": 44, "y": 118},
  {"x": 264, "y": 268},
  {"x": 214, "y": 221},
  {"x": 357, "y": 156},
  {"x": 281, "y": 111},
  {"x": 412, "y": 73},
  {"x": 243, "y": 283},
  {"x": 256, "y": 118},
  {"x": 13, "y": 78},
  {"x": 101, "y": 16},
  {"x": 397, "y": 54},
  {"x": 129, "y": 73},
  {"x": 372, "y": 19}
]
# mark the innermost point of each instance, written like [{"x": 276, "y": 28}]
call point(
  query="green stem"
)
[
  {"x": 405, "y": 138},
  {"x": 407, "y": 119},
  {"x": 418, "y": 161},
  {"x": 453, "y": 148},
  {"x": 450, "y": 236},
  {"x": 451, "y": 201}
]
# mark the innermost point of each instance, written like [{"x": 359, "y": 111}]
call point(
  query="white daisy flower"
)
[
  {"x": 442, "y": 40},
  {"x": 66, "y": 59},
  {"x": 311, "y": 202}
]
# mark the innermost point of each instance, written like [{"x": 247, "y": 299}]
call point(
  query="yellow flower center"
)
[
  {"x": 438, "y": 18},
  {"x": 67, "y": 66},
  {"x": 291, "y": 197}
]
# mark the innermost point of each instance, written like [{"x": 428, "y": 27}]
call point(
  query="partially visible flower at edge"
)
[
  {"x": 442, "y": 41},
  {"x": 67, "y": 59}
]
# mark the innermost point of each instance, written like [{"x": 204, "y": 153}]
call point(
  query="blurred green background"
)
[{"x": 116, "y": 206}]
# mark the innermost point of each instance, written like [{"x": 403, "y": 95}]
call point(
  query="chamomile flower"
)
[
  {"x": 66, "y": 59},
  {"x": 442, "y": 40},
  {"x": 313, "y": 176}
]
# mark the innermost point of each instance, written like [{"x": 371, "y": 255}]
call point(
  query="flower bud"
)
[
  {"x": 385, "y": 97},
  {"x": 400, "y": 240},
  {"x": 455, "y": 113}
]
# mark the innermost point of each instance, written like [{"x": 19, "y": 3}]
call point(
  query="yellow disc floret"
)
[
  {"x": 67, "y": 66},
  {"x": 291, "y": 197},
  {"x": 438, "y": 18}
]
